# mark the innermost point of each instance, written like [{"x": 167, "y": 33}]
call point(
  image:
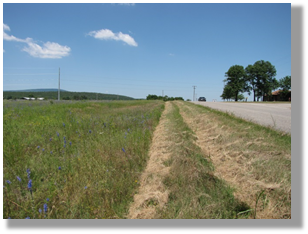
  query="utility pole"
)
[
  {"x": 194, "y": 93},
  {"x": 59, "y": 87}
]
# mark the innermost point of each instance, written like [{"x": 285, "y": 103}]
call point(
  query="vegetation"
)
[
  {"x": 74, "y": 160},
  {"x": 258, "y": 79},
  {"x": 64, "y": 95},
  {"x": 194, "y": 190},
  {"x": 164, "y": 98}
]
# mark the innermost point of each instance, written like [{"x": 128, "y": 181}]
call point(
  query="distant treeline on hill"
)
[
  {"x": 164, "y": 98},
  {"x": 65, "y": 95}
]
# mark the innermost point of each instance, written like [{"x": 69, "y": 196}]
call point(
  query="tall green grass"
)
[{"x": 74, "y": 160}]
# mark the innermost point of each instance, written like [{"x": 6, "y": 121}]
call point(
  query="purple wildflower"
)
[
  {"x": 70, "y": 143},
  {"x": 30, "y": 184},
  {"x": 85, "y": 187},
  {"x": 38, "y": 147},
  {"x": 63, "y": 124},
  {"x": 59, "y": 168},
  {"x": 90, "y": 131},
  {"x": 58, "y": 134},
  {"x": 50, "y": 152},
  {"x": 9, "y": 182},
  {"x": 45, "y": 208},
  {"x": 47, "y": 199},
  {"x": 123, "y": 150},
  {"x": 18, "y": 178},
  {"x": 27, "y": 217},
  {"x": 28, "y": 173},
  {"x": 40, "y": 210}
]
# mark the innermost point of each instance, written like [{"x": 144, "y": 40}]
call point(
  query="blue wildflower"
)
[
  {"x": 30, "y": 184},
  {"x": 85, "y": 187},
  {"x": 50, "y": 152},
  {"x": 50, "y": 139},
  {"x": 90, "y": 131},
  {"x": 47, "y": 199},
  {"x": 45, "y": 208},
  {"x": 64, "y": 138},
  {"x": 59, "y": 168},
  {"x": 18, "y": 178},
  {"x": 58, "y": 134},
  {"x": 123, "y": 150},
  {"x": 28, "y": 173},
  {"x": 64, "y": 146},
  {"x": 9, "y": 182},
  {"x": 63, "y": 124},
  {"x": 27, "y": 217},
  {"x": 40, "y": 210},
  {"x": 43, "y": 149},
  {"x": 70, "y": 143},
  {"x": 38, "y": 147}
]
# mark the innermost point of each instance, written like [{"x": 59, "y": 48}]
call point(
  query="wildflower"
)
[
  {"x": 64, "y": 138},
  {"x": 85, "y": 187},
  {"x": 47, "y": 199},
  {"x": 50, "y": 139},
  {"x": 40, "y": 210},
  {"x": 64, "y": 145},
  {"x": 123, "y": 150},
  {"x": 70, "y": 143},
  {"x": 38, "y": 147},
  {"x": 43, "y": 149},
  {"x": 9, "y": 182},
  {"x": 27, "y": 217},
  {"x": 50, "y": 152},
  {"x": 45, "y": 208},
  {"x": 28, "y": 173},
  {"x": 90, "y": 131},
  {"x": 63, "y": 124},
  {"x": 59, "y": 168},
  {"x": 58, "y": 134},
  {"x": 30, "y": 184},
  {"x": 18, "y": 178}
]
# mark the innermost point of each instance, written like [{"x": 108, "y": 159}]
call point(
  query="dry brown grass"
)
[
  {"x": 152, "y": 192},
  {"x": 244, "y": 162}
]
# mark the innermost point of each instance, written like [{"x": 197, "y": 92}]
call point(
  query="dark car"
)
[{"x": 202, "y": 99}]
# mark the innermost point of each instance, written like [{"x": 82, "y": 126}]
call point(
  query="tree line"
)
[
  {"x": 164, "y": 98},
  {"x": 258, "y": 79}
]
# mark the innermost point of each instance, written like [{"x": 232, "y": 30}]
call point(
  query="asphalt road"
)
[{"x": 274, "y": 115}]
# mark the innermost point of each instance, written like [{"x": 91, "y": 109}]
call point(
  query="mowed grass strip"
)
[
  {"x": 194, "y": 191},
  {"x": 254, "y": 159},
  {"x": 74, "y": 160}
]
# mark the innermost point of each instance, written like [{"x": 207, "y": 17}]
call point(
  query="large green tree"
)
[
  {"x": 236, "y": 80},
  {"x": 265, "y": 74},
  {"x": 285, "y": 83}
]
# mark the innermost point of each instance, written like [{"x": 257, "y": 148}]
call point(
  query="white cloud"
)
[
  {"x": 127, "y": 4},
  {"x": 49, "y": 49},
  {"x": 106, "y": 34}
]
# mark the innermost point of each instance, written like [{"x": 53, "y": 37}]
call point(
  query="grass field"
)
[
  {"x": 141, "y": 159},
  {"x": 75, "y": 160}
]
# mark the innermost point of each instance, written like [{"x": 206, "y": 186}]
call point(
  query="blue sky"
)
[{"x": 141, "y": 49}]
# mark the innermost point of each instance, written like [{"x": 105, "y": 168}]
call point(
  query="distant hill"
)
[
  {"x": 64, "y": 95},
  {"x": 36, "y": 90}
]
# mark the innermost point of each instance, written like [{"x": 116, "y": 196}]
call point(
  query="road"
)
[{"x": 274, "y": 115}]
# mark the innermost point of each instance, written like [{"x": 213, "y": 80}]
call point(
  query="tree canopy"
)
[
  {"x": 236, "y": 80},
  {"x": 258, "y": 79}
]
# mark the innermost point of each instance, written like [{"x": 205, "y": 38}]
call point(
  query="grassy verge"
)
[
  {"x": 256, "y": 159},
  {"x": 75, "y": 160},
  {"x": 194, "y": 191}
]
